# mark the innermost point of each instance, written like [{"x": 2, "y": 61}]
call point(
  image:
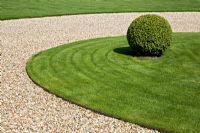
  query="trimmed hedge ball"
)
[{"x": 149, "y": 35}]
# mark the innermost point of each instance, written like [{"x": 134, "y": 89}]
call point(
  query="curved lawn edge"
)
[
  {"x": 30, "y": 74},
  {"x": 76, "y": 103},
  {"x": 92, "y": 109}
]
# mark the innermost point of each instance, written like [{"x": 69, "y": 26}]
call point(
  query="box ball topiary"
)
[{"x": 149, "y": 35}]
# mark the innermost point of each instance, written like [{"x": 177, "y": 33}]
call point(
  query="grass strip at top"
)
[
  {"x": 14, "y": 9},
  {"x": 101, "y": 74}
]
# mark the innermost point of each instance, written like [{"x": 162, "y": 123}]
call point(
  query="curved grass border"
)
[
  {"x": 191, "y": 43},
  {"x": 81, "y": 105},
  {"x": 93, "y": 110}
]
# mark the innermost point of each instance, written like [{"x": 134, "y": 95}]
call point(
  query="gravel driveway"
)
[{"x": 25, "y": 107}]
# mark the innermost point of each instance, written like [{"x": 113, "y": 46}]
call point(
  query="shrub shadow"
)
[{"x": 130, "y": 52}]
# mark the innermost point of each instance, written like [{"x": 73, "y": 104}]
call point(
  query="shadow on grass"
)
[{"x": 130, "y": 52}]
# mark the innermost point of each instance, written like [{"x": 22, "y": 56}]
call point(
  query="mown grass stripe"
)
[
  {"x": 14, "y": 9},
  {"x": 161, "y": 93}
]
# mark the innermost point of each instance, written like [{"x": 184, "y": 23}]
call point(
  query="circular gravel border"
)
[{"x": 25, "y": 107}]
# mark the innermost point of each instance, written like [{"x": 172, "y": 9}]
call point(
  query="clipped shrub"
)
[{"x": 149, "y": 35}]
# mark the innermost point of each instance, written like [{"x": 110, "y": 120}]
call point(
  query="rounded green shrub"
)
[{"x": 149, "y": 35}]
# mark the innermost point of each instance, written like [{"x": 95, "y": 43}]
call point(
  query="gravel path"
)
[{"x": 25, "y": 107}]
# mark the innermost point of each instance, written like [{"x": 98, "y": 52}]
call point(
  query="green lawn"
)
[
  {"x": 12, "y": 9},
  {"x": 101, "y": 74}
]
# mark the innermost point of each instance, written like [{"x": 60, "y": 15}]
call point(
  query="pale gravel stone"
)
[{"x": 25, "y": 107}]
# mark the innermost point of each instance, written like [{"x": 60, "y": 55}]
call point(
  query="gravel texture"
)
[{"x": 25, "y": 107}]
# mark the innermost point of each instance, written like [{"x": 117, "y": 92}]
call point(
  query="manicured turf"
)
[
  {"x": 100, "y": 74},
  {"x": 10, "y": 9}
]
